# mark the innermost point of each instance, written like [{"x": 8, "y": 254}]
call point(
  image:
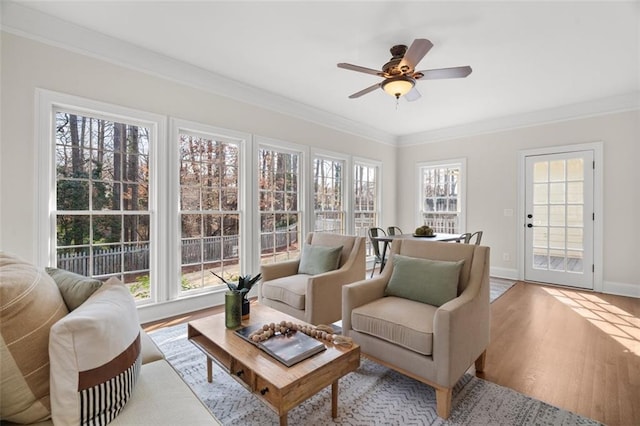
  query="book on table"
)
[{"x": 289, "y": 348}]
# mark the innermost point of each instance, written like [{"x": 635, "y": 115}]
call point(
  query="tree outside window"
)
[
  {"x": 279, "y": 204},
  {"x": 329, "y": 212},
  {"x": 102, "y": 199},
  {"x": 365, "y": 202},
  {"x": 209, "y": 215}
]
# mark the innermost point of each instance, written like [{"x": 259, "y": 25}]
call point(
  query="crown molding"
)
[
  {"x": 609, "y": 105},
  {"x": 35, "y": 25}
]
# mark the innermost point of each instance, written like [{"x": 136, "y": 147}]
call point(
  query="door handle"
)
[{"x": 529, "y": 225}]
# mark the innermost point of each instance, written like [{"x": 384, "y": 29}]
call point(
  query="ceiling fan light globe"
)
[{"x": 398, "y": 86}]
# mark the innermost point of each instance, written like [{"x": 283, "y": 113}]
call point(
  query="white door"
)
[{"x": 559, "y": 218}]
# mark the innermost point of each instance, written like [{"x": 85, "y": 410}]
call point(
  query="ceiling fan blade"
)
[
  {"x": 415, "y": 53},
  {"x": 365, "y": 91},
  {"x": 454, "y": 72},
  {"x": 413, "y": 95},
  {"x": 360, "y": 69}
]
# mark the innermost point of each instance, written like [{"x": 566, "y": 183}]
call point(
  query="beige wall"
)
[
  {"x": 27, "y": 65},
  {"x": 492, "y": 186}
]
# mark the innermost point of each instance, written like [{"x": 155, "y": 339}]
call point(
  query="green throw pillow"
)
[
  {"x": 423, "y": 280},
  {"x": 319, "y": 259},
  {"x": 74, "y": 288}
]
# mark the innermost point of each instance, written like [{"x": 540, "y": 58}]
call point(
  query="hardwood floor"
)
[
  {"x": 574, "y": 349},
  {"x": 577, "y": 350}
]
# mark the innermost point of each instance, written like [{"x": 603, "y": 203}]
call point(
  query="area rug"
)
[
  {"x": 498, "y": 288},
  {"x": 372, "y": 395}
]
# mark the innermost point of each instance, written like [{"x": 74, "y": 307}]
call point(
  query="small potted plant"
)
[{"x": 242, "y": 286}]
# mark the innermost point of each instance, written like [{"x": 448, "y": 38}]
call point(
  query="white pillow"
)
[{"x": 95, "y": 355}]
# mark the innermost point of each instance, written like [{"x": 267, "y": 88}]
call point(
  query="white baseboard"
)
[
  {"x": 621, "y": 289},
  {"x": 510, "y": 274}
]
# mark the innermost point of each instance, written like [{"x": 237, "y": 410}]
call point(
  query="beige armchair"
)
[
  {"x": 434, "y": 345},
  {"x": 315, "y": 299}
]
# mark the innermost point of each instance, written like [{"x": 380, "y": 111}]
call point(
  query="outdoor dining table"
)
[{"x": 387, "y": 239}]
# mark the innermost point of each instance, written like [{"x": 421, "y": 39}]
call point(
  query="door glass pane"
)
[
  {"x": 575, "y": 238},
  {"x": 575, "y": 192},
  {"x": 556, "y": 171},
  {"x": 540, "y": 193},
  {"x": 556, "y": 238},
  {"x": 575, "y": 169},
  {"x": 575, "y": 215},
  {"x": 540, "y": 215},
  {"x": 556, "y": 215},
  {"x": 557, "y": 261},
  {"x": 540, "y": 237},
  {"x": 541, "y": 171},
  {"x": 574, "y": 261},
  {"x": 557, "y": 193}
]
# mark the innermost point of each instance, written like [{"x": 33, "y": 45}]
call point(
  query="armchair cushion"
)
[
  {"x": 290, "y": 290},
  {"x": 424, "y": 280},
  {"x": 316, "y": 259},
  {"x": 401, "y": 321}
]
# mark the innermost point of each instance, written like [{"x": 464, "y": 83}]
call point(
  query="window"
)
[
  {"x": 365, "y": 203},
  {"x": 111, "y": 204},
  {"x": 209, "y": 213},
  {"x": 329, "y": 212},
  {"x": 102, "y": 212},
  {"x": 279, "y": 204},
  {"x": 441, "y": 195}
]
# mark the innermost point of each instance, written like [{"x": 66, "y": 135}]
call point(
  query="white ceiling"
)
[{"x": 526, "y": 56}]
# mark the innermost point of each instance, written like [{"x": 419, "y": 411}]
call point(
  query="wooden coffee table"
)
[{"x": 281, "y": 388}]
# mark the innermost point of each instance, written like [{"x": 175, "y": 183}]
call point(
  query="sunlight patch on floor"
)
[{"x": 617, "y": 323}]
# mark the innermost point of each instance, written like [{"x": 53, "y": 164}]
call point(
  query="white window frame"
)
[
  {"x": 244, "y": 141},
  {"x": 346, "y": 186},
  {"x": 462, "y": 190},
  {"x": 47, "y": 103},
  {"x": 261, "y": 142},
  {"x": 378, "y": 200}
]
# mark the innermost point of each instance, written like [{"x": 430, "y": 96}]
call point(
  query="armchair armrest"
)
[
  {"x": 273, "y": 271},
  {"x": 461, "y": 327},
  {"x": 322, "y": 289},
  {"x": 360, "y": 293}
]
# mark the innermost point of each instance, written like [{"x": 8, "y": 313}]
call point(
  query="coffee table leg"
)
[
  {"x": 334, "y": 399},
  {"x": 283, "y": 420},
  {"x": 209, "y": 370}
]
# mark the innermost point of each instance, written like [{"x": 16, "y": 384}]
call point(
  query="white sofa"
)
[{"x": 57, "y": 348}]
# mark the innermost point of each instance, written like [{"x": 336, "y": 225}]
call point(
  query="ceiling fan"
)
[{"x": 399, "y": 73}]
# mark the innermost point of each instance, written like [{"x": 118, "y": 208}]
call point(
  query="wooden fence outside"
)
[{"x": 116, "y": 259}]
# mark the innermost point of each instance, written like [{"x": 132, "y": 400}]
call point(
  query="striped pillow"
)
[
  {"x": 30, "y": 304},
  {"x": 96, "y": 356}
]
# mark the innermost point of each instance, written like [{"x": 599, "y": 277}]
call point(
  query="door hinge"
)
[
  {"x": 594, "y": 164},
  {"x": 593, "y": 216},
  {"x": 593, "y": 268}
]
